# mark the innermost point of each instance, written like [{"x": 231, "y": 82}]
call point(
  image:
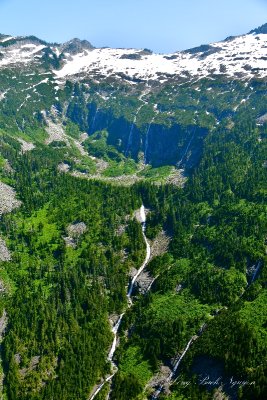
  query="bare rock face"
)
[
  {"x": 63, "y": 167},
  {"x": 56, "y": 133},
  {"x": 144, "y": 281},
  {"x": 160, "y": 244},
  {"x": 4, "y": 252},
  {"x": 8, "y": 202},
  {"x": 76, "y": 230},
  {"x": 219, "y": 395},
  {"x": 3, "y": 324},
  {"x": 76, "y": 46},
  {"x": 26, "y": 146},
  {"x": 8, "y": 199},
  {"x": 261, "y": 120},
  {"x": 70, "y": 242},
  {"x": 160, "y": 378},
  {"x": 7, "y": 167}
]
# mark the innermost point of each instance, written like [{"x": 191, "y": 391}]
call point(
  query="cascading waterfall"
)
[
  {"x": 174, "y": 370},
  {"x": 146, "y": 143},
  {"x": 151, "y": 283},
  {"x": 180, "y": 359},
  {"x": 187, "y": 148},
  {"x": 129, "y": 295},
  {"x": 114, "y": 344},
  {"x": 130, "y": 138},
  {"x": 148, "y": 252},
  {"x": 256, "y": 271},
  {"x": 94, "y": 119}
]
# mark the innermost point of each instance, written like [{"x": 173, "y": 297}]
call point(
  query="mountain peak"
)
[
  {"x": 75, "y": 46},
  {"x": 260, "y": 29},
  {"x": 7, "y": 40}
]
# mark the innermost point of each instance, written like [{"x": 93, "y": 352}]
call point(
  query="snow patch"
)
[{"x": 232, "y": 59}]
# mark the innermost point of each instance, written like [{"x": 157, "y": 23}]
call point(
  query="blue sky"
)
[{"x": 161, "y": 25}]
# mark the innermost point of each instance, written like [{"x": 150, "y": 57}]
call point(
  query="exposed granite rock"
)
[
  {"x": 262, "y": 119},
  {"x": 77, "y": 229},
  {"x": 75, "y": 46},
  {"x": 3, "y": 324},
  {"x": 160, "y": 244},
  {"x": 26, "y": 146},
  {"x": 70, "y": 242},
  {"x": 63, "y": 167},
  {"x": 219, "y": 395},
  {"x": 8, "y": 199},
  {"x": 56, "y": 133},
  {"x": 74, "y": 232},
  {"x": 4, "y": 252},
  {"x": 32, "y": 366}
]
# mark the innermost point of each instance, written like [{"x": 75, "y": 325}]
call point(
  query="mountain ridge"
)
[
  {"x": 260, "y": 29},
  {"x": 81, "y": 150},
  {"x": 242, "y": 57},
  {"x": 143, "y": 100}
]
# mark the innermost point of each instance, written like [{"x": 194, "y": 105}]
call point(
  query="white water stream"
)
[
  {"x": 180, "y": 359},
  {"x": 147, "y": 140},
  {"x": 176, "y": 365},
  {"x": 130, "y": 138},
  {"x": 174, "y": 370},
  {"x": 94, "y": 119},
  {"x": 130, "y": 302},
  {"x": 187, "y": 148},
  {"x": 148, "y": 252},
  {"x": 256, "y": 271}
]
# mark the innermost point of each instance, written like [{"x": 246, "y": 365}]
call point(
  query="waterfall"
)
[
  {"x": 151, "y": 283},
  {"x": 130, "y": 138},
  {"x": 256, "y": 272},
  {"x": 94, "y": 119},
  {"x": 187, "y": 148},
  {"x": 180, "y": 358},
  {"x": 142, "y": 215},
  {"x": 174, "y": 370},
  {"x": 114, "y": 344},
  {"x": 148, "y": 251},
  {"x": 129, "y": 294},
  {"x": 146, "y": 143}
]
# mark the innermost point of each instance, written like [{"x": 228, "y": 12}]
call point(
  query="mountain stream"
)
[{"x": 130, "y": 303}]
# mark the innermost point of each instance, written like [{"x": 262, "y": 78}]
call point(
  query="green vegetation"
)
[
  {"x": 133, "y": 364},
  {"x": 54, "y": 337},
  {"x": 156, "y": 174},
  {"x": 127, "y": 167},
  {"x": 61, "y": 288}
]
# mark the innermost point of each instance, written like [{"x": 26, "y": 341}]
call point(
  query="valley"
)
[{"x": 133, "y": 221}]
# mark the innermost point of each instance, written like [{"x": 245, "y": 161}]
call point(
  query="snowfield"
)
[{"x": 242, "y": 57}]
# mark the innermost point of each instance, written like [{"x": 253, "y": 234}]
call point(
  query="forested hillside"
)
[
  {"x": 80, "y": 153},
  {"x": 62, "y": 284}
]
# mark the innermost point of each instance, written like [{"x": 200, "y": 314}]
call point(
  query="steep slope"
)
[
  {"x": 242, "y": 57},
  {"x": 69, "y": 251},
  {"x": 154, "y": 108}
]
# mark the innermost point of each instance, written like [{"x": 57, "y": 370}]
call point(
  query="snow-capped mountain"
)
[
  {"x": 240, "y": 57},
  {"x": 133, "y": 103}
]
